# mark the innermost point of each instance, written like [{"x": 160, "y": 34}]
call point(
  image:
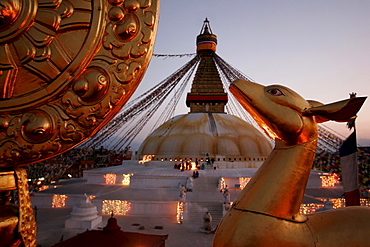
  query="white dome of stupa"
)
[{"x": 222, "y": 136}]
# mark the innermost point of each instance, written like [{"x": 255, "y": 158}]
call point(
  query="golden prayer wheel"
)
[{"x": 67, "y": 67}]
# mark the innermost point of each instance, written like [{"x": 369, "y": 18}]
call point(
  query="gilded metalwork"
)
[
  {"x": 7, "y": 181},
  {"x": 66, "y": 68},
  {"x": 16, "y": 215},
  {"x": 26, "y": 224},
  {"x": 8, "y": 217},
  {"x": 266, "y": 212}
]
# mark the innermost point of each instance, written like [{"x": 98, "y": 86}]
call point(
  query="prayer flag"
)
[{"x": 348, "y": 161}]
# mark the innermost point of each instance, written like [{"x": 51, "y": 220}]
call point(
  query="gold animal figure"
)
[{"x": 266, "y": 212}]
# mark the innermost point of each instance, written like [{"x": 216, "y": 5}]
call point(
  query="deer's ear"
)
[{"x": 341, "y": 111}]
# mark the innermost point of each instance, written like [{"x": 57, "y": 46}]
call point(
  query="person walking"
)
[
  {"x": 226, "y": 197},
  {"x": 207, "y": 221}
]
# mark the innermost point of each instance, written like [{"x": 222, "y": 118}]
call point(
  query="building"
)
[{"x": 207, "y": 132}]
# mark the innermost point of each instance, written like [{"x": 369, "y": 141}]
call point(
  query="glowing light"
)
[
  {"x": 341, "y": 202},
  {"x": 146, "y": 158},
  {"x": 309, "y": 208},
  {"x": 243, "y": 182},
  {"x": 329, "y": 180},
  {"x": 126, "y": 179},
  {"x": 44, "y": 187},
  {"x": 365, "y": 202},
  {"x": 110, "y": 178},
  {"x": 59, "y": 201},
  {"x": 118, "y": 207},
  {"x": 222, "y": 183},
  {"x": 180, "y": 212},
  {"x": 193, "y": 166},
  {"x": 337, "y": 202}
]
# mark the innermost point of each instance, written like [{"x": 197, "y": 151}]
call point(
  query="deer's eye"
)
[{"x": 275, "y": 92}]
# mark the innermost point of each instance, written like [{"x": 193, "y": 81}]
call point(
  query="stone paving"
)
[{"x": 50, "y": 221}]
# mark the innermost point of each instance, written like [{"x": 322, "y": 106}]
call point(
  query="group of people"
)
[
  {"x": 187, "y": 188},
  {"x": 187, "y": 164},
  {"x": 70, "y": 164},
  {"x": 226, "y": 195},
  {"x": 45, "y": 172}
]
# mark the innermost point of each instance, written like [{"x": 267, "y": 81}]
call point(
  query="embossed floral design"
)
[
  {"x": 67, "y": 68},
  {"x": 30, "y": 31},
  {"x": 125, "y": 26},
  {"x": 126, "y": 41}
]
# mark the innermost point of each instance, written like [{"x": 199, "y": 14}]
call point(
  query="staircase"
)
[{"x": 205, "y": 197}]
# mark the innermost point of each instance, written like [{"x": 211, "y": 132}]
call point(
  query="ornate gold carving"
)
[
  {"x": 7, "y": 181},
  {"x": 66, "y": 68},
  {"x": 12, "y": 215},
  {"x": 27, "y": 223}
]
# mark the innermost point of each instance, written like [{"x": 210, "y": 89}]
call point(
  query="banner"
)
[{"x": 348, "y": 161}]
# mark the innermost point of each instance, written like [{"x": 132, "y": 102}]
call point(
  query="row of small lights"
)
[
  {"x": 201, "y": 159},
  {"x": 243, "y": 181},
  {"x": 310, "y": 208},
  {"x": 118, "y": 207},
  {"x": 111, "y": 178},
  {"x": 180, "y": 212},
  {"x": 329, "y": 180},
  {"x": 148, "y": 158},
  {"x": 121, "y": 207}
]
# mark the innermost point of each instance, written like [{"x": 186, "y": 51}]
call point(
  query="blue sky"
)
[{"x": 320, "y": 49}]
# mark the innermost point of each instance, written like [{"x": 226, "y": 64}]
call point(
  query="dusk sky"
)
[{"x": 320, "y": 49}]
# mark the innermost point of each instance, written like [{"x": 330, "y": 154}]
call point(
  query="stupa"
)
[
  {"x": 207, "y": 132},
  {"x": 84, "y": 216}
]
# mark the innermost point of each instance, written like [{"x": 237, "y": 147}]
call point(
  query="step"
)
[
  {"x": 205, "y": 184},
  {"x": 196, "y": 210}
]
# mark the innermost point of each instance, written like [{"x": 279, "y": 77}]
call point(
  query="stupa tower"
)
[
  {"x": 207, "y": 92},
  {"x": 207, "y": 130}
]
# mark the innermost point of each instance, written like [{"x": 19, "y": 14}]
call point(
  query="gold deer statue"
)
[{"x": 266, "y": 212}]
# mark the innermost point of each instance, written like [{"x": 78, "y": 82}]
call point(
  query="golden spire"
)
[
  {"x": 206, "y": 40},
  {"x": 207, "y": 92}
]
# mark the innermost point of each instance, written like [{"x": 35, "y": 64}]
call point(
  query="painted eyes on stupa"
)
[{"x": 275, "y": 92}]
